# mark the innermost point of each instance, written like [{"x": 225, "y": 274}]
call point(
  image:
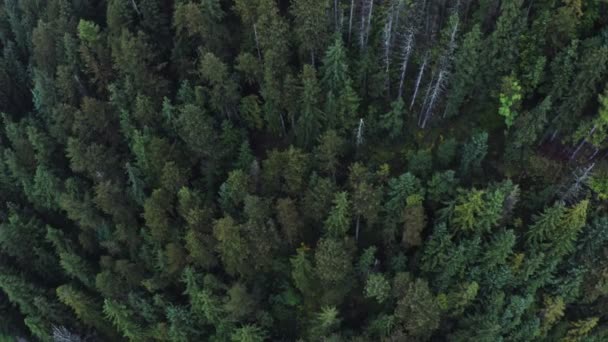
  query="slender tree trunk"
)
[
  {"x": 597, "y": 150},
  {"x": 529, "y": 8},
  {"x": 406, "y": 57},
  {"x": 257, "y": 42},
  {"x": 573, "y": 155},
  {"x": 359, "y": 136},
  {"x": 436, "y": 91},
  {"x": 358, "y": 227},
  {"x": 554, "y": 135},
  {"x": 427, "y": 94},
  {"x": 135, "y": 7},
  {"x": 578, "y": 148},
  {"x": 350, "y": 19},
  {"x": 398, "y": 14},
  {"x": 362, "y": 28},
  {"x": 366, "y": 20},
  {"x": 81, "y": 88},
  {"x": 388, "y": 30},
  {"x": 418, "y": 81},
  {"x": 452, "y": 45},
  {"x": 580, "y": 177},
  {"x": 283, "y": 124},
  {"x": 336, "y": 14},
  {"x": 369, "y": 21}
]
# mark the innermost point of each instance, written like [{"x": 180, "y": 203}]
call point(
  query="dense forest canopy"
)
[{"x": 304, "y": 170}]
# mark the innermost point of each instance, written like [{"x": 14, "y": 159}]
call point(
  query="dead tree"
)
[
  {"x": 583, "y": 142},
  {"x": 581, "y": 175},
  {"x": 408, "y": 47},
  {"x": 419, "y": 79},
  {"x": 350, "y": 19},
  {"x": 367, "y": 10},
  {"x": 438, "y": 88}
]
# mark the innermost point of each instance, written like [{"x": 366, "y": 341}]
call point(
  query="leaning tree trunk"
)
[
  {"x": 407, "y": 52},
  {"x": 419, "y": 80}
]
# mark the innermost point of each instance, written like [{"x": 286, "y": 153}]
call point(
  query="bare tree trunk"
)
[
  {"x": 366, "y": 18},
  {"x": 369, "y": 21},
  {"x": 407, "y": 51},
  {"x": 597, "y": 150},
  {"x": 350, "y": 19},
  {"x": 452, "y": 45},
  {"x": 360, "y": 132},
  {"x": 581, "y": 175},
  {"x": 436, "y": 91},
  {"x": 388, "y": 31},
  {"x": 81, "y": 88},
  {"x": 283, "y": 124},
  {"x": 357, "y": 227},
  {"x": 362, "y": 26},
  {"x": 135, "y": 7},
  {"x": 578, "y": 148},
  {"x": 398, "y": 14},
  {"x": 573, "y": 155},
  {"x": 424, "y": 102},
  {"x": 426, "y": 98},
  {"x": 554, "y": 135},
  {"x": 336, "y": 14},
  {"x": 419, "y": 80},
  {"x": 257, "y": 42}
]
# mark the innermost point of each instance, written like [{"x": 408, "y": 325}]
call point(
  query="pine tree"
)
[
  {"x": 326, "y": 321},
  {"x": 290, "y": 220},
  {"x": 329, "y": 151},
  {"x": 473, "y": 154},
  {"x": 231, "y": 245},
  {"x": 417, "y": 310},
  {"x": 196, "y": 128},
  {"x": 248, "y": 333},
  {"x": 341, "y": 102},
  {"x": 122, "y": 318},
  {"x": 466, "y": 78},
  {"x": 377, "y": 287},
  {"x": 223, "y": 90},
  {"x": 182, "y": 326},
  {"x": 157, "y": 210},
  {"x": 574, "y": 220},
  {"x": 415, "y": 221},
  {"x": 545, "y": 224},
  {"x": 334, "y": 267},
  {"x": 393, "y": 121},
  {"x": 366, "y": 198},
  {"x": 399, "y": 189},
  {"x": 318, "y": 198},
  {"x": 86, "y": 308},
  {"x": 311, "y": 118},
  {"x": 338, "y": 221},
  {"x": 311, "y": 27},
  {"x": 442, "y": 186},
  {"x": 302, "y": 273}
]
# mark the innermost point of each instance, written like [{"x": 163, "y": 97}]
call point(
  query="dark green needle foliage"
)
[{"x": 303, "y": 170}]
